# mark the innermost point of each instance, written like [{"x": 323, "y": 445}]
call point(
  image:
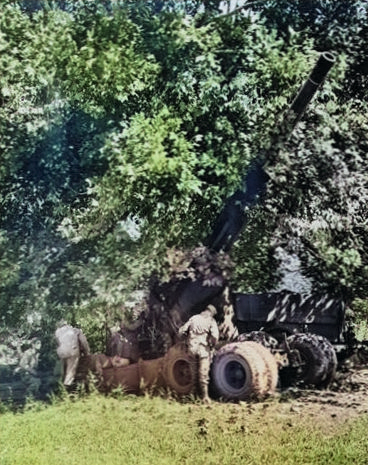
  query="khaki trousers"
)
[{"x": 70, "y": 366}]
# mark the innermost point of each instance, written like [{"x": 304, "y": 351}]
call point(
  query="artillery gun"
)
[{"x": 296, "y": 338}]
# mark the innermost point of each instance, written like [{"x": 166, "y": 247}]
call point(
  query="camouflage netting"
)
[{"x": 195, "y": 279}]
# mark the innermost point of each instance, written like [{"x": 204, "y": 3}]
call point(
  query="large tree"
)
[{"x": 125, "y": 125}]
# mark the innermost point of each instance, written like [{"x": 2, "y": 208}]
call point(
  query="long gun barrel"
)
[
  {"x": 187, "y": 297},
  {"x": 309, "y": 88},
  {"x": 233, "y": 217}
]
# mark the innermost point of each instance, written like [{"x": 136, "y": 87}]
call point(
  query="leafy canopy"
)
[{"x": 125, "y": 125}]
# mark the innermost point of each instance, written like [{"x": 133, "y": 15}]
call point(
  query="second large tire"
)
[
  {"x": 180, "y": 370},
  {"x": 317, "y": 360},
  {"x": 240, "y": 372},
  {"x": 272, "y": 371}
]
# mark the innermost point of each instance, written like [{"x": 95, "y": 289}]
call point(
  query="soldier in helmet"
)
[
  {"x": 201, "y": 332},
  {"x": 72, "y": 343}
]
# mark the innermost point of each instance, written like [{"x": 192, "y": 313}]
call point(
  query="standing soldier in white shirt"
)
[
  {"x": 201, "y": 332},
  {"x": 72, "y": 343}
]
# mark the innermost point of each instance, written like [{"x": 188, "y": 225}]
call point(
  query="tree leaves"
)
[{"x": 151, "y": 112}]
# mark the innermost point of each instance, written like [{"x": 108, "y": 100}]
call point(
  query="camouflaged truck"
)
[{"x": 266, "y": 340}]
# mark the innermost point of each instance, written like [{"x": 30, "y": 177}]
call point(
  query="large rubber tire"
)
[
  {"x": 180, "y": 370},
  {"x": 318, "y": 360},
  {"x": 239, "y": 372},
  {"x": 272, "y": 373}
]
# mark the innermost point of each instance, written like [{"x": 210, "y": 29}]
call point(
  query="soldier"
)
[
  {"x": 72, "y": 343},
  {"x": 123, "y": 342},
  {"x": 202, "y": 334}
]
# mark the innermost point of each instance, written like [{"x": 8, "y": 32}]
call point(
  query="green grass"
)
[{"x": 131, "y": 430}]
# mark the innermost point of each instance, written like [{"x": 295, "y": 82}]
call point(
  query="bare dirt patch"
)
[
  {"x": 348, "y": 396},
  {"x": 345, "y": 400}
]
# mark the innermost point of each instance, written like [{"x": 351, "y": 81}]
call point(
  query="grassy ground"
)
[{"x": 141, "y": 430}]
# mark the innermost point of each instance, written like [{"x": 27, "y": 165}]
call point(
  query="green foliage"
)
[
  {"x": 360, "y": 307},
  {"x": 324, "y": 197},
  {"x": 124, "y": 126},
  {"x": 339, "y": 26},
  {"x": 151, "y": 174},
  {"x": 107, "y": 66}
]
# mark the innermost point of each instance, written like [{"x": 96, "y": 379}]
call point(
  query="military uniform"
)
[
  {"x": 72, "y": 343},
  {"x": 202, "y": 334}
]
